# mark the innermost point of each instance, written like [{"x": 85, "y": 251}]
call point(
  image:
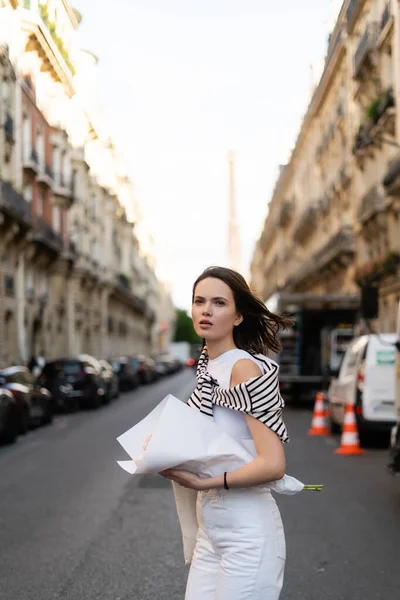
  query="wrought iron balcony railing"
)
[
  {"x": 305, "y": 224},
  {"x": 367, "y": 44},
  {"x": 391, "y": 181},
  {"x": 15, "y": 204},
  {"x": 45, "y": 234},
  {"x": 372, "y": 203},
  {"x": 338, "y": 250}
]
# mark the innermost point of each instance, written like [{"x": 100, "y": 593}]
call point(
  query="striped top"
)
[{"x": 258, "y": 397}]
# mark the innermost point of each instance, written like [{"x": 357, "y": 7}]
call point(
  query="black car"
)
[
  {"x": 35, "y": 403},
  {"x": 127, "y": 371},
  {"x": 111, "y": 379},
  {"x": 9, "y": 417},
  {"x": 76, "y": 382}
]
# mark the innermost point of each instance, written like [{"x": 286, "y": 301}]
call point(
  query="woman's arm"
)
[{"x": 269, "y": 465}]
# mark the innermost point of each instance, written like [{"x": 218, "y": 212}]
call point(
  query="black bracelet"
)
[{"x": 226, "y": 486}]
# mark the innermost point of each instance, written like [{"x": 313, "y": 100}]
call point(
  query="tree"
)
[{"x": 184, "y": 331}]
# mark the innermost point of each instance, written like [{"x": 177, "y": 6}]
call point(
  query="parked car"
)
[
  {"x": 127, "y": 372},
  {"x": 171, "y": 363},
  {"x": 9, "y": 417},
  {"x": 111, "y": 379},
  {"x": 75, "y": 381},
  {"x": 152, "y": 369},
  {"x": 35, "y": 403},
  {"x": 367, "y": 380},
  {"x": 145, "y": 369},
  {"x": 161, "y": 368}
]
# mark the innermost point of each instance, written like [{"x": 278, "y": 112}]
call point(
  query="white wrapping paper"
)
[{"x": 183, "y": 438}]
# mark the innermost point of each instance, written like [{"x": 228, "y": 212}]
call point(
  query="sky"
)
[{"x": 182, "y": 82}]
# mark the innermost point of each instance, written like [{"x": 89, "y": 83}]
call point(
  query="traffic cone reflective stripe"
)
[
  {"x": 350, "y": 440},
  {"x": 320, "y": 415}
]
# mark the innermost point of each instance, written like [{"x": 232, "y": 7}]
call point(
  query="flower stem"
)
[{"x": 315, "y": 488}]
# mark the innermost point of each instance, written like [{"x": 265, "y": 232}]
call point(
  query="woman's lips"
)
[{"x": 205, "y": 325}]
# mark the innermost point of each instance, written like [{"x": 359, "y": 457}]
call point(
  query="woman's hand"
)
[{"x": 185, "y": 479}]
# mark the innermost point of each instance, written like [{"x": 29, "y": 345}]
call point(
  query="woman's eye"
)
[
  {"x": 197, "y": 301},
  {"x": 220, "y": 303}
]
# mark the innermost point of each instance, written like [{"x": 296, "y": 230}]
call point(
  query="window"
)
[
  {"x": 28, "y": 192},
  {"x": 93, "y": 202},
  {"x": 57, "y": 165},
  {"x": 40, "y": 203},
  {"x": 57, "y": 218},
  {"x": 27, "y": 135},
  {"x": 94, "y": 250},
  {"x": 40, "y": 148},
  {"x": 5, "y": 93}
]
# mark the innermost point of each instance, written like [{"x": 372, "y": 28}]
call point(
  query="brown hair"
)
[{"x": 258, "y": 332}]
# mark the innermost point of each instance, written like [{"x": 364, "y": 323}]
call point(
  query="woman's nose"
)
[{"x": 206, "y": 310}]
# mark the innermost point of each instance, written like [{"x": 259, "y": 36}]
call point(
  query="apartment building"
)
[
  {"x": 73, "y": 274},
  {"x": 333, "y": 219}
]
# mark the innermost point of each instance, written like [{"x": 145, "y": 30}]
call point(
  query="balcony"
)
[
  {"x": 336, "y": 254},
  {"x": 339, "y": 246},
  {"x": 63, "y": 190},
  {"x": 43, "y": 39},
  {"x": 385, "y": 27},
  {"x": 305, "y": 224},
  {"x": 371, "y": 204},
  {"x": 14, "y": 205},
  {"x": 381, "y": 113},
  {"x": 31, "y": 161},
  {"x": 391, "y": 181},
  {"x": 365, "y": 48},
  {"x": 123, "y": 285},
  {"x": 373, "y": 271},
  {"x": 45, "y": 237},
  {"x": 45, "y": 175}
]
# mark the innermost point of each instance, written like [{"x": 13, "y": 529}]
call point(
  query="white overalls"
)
[{"x": 240, "y": 547}]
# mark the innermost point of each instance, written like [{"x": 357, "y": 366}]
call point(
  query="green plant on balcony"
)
[
  {"x": 124, "y": 281},
  {"x": 44, "y": 13},
  {"x": 372, "y": 110},
  {"x": 380, "y": 105}
]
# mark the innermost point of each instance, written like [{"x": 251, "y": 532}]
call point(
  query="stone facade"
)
[
  {"x": 333, "y": 219},
  {"x": 73, "y": 273}
]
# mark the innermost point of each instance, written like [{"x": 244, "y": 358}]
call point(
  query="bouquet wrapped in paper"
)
[{"x": 174, "y": 435}]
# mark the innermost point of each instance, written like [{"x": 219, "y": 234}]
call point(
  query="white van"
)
[{"x": 366, "y": 379}]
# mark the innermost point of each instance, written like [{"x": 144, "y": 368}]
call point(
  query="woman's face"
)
[{"x": 214, "y": 312}]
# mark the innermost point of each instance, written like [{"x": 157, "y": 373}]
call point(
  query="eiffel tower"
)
[{"x": 234, "y": 246}]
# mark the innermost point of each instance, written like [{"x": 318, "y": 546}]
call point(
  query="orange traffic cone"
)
[
  {"x": 319, "y": 420},
  {"x": 350, "y": 441}
]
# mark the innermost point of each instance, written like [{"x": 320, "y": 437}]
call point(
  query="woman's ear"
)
[{"x": 238, "y": 320}]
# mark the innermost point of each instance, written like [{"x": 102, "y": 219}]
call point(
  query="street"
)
[{"x": 75, "y": 526}]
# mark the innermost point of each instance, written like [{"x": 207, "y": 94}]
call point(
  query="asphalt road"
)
[{"x": 74, "y": 526}]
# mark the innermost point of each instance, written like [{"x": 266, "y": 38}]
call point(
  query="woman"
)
[{"x": 240, "y": 545}]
